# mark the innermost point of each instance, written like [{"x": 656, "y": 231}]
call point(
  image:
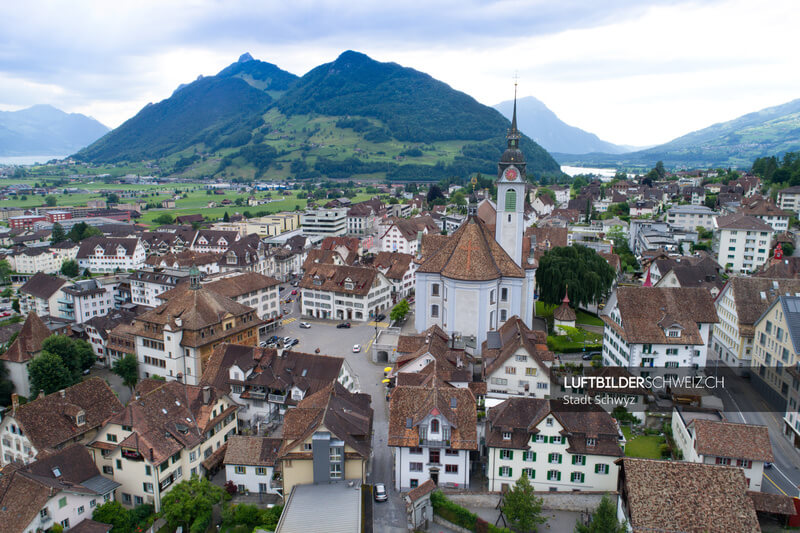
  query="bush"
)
[
  {"x": 665, "y": 450},
  {"x": 461, "y": 517}
]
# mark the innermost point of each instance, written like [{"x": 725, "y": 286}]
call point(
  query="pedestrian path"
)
[
  {"x": 379, "y": 324},
  {"x": 287, "y": 321}
]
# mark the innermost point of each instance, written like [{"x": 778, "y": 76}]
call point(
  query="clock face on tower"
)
[{"x": 511, "y": 173}]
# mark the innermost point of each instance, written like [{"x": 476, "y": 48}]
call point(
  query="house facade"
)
[
  {"x": 109, "y": 254},
  {"x": 776, "y": 345},
  {"x": 326, "y": 222},
  {"x": 250, "y": 464},
  {"x": 40, "y": 295},
  {"x": 344, "y": 293},
  {"x": 742, "y": 242}
]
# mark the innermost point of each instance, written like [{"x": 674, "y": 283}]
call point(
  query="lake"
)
[
  {"x": 574, "y": 171},
  {"x": 28, "y": 159}
]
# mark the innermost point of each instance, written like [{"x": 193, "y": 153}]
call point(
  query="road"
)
[
  {"x": 388, "y": 516},
  {"x": 744, "y": 405}
]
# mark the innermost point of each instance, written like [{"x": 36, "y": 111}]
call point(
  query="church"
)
[{"x": 471, "y": 282}]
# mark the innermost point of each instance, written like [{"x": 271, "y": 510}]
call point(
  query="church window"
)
[
  {"x": 491, "y": 321},
  {"x": 435, "y": 289},
  {"x": 511, "y": 200},
  {"x": 503, "y": 315},
  {"x": 492, "y": 294},
  {"x": 504, "y": 294},
  {"x": 434, "y": 310}
]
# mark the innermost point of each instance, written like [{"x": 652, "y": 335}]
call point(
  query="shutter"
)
[
  {"x": 533, "y": 456},
  {"x": 559, "y": 458},
  {"x": 583, "y": 460},
  {"x": 533, "y": 473},
  {"x": 596, "y": 469},
  {"x": 552, "y": 439},
  {"x": 558, "y": 475},
  {"x": 574, "y": 459},
  {"x": 510, "y": 472},
  {"x": 500, "y": 472},
  {"x": 510, "y": 454}
]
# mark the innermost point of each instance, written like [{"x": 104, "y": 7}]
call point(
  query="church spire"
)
[{"x": 512, "y": 137}]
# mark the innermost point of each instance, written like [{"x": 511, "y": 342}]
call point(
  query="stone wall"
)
[{"x": 558, "y": 501}]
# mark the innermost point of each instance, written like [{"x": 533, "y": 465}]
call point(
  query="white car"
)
[
  {"x": 356, "y": 348},
  {"x": 305, "y": 325}
]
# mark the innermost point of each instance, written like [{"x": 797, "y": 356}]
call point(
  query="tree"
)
[
  {"x": 399, "y": 311},
  {"x": 660, "y": 170},
  {"x": 604, "y": 520},
  {"x": 49, "y": 374},
  {"x": 128, "y": 369},
  {"x": 522, "y": 508},
  {"x": 5, "y": 271},
  {"x": 434, "y": 193},
  {"x": 226, "y": 217},
  {"x": 6, "y": 385},
  {"x": 51, "y": 201},
  {"x": 544, "y": 191},
  {"x": 112, "y": 198},
  {"x": 76, "y": 354},
  {"x": 587, "y": 274},
  {"x": 164, "y": 218},
  {"x": 57, "y": 235},
  {"x": 115, "y": 514},
  {"x": 189, "y": 504},
  {"x": 70, "y": 268}
]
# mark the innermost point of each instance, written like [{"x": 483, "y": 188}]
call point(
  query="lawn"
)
[
  {"x": 645, "y": 446},
  {"x": 575, "y": 342},
  {"x": 546, "y": 311}
]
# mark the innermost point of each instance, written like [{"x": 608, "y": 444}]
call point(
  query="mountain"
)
[
  {"x": 553, "y": 134},
  {"x": 735, "y": 143},
  {"x": 45, "y": 130},
  {"x": 353, "y": 116}
]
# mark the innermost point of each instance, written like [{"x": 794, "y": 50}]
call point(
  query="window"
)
[
  {"x": 539, "y": 438},
  {"x": 435, "y": 425},
  {"x": 549, "y": 422},
  {"x": 415, "y": 467},
  {"x": 505, "y": 471},
  {"x": 511, "y": 200},
  {"x": 530, "y": 371},
  {"x": 435, "y": 289},
  {"x": 554, "y": 458},
  {"x": 504, "y": 294},
  {"x": 147, "y": 487},
  {"x": 414, "y": 483},
  {"x": 591, "y": 442},
  {"x": 576, "y": 477},
  {"x": 507, "y": 454},
  {"x": 556, "y": 439},
  {"x": 723, "y": 461},
  {"x": 110, "y": 437},
  {"x": 65, "y": 523},
  {"x": 521, "y": 358},
  {"x": 62, "y": 502},
  {"x": 108, "y": 470},
  {"x": 451, "y": 469},
  {"x": 433, "y": 456},
  {"x": 261, "y": 471},
  {"x": 336, "y": 471},
  {"x": 126, "y": 498},
  {"x": 138, "y": 500},
  {"x": 511, "y": 370},
  {"x": 306, "y": 446},
  {"x": 119, "y": 464},
  {"x": 336, "y": 454},
  {"x": 92, "y": 504},
  {"x": 506, "y": 435},
  {"x": 435, "y": 311},
  {"x": 553, "y": 475},
  {"x": 744, "y": 463},
  {"x": 528, "y": 456},
  {"x": 579, "y": 460},
  {"x": 451, "y": 451},
  {"x": 503, "y": 315},
  {"x": 415, "y": 451},
  {"x": 240, "y": 469},
  {"x": 491, "y": 296},
  {"x": 601, "y": 468},
  {"x": 43, "y": 513},
  {"x": 530, "y": 472}
]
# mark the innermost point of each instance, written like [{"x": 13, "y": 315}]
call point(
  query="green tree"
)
[
  {"x": 57, "y": 235},
  {"x": 5, "y": 271},
  {"x": 164, "y": 218},
  {"x": 434, "y": 194},
  {"x": 604, "y": 520},
  {"x": 70, "y": 268},
  {"x": 661, "y": 172},
  {"x": 6, "y": 385},
  {"x": 128, "y": 369},
  {"x": 112, "y": 198},
  {"x": 544, "y": 191},
  {"x": 50, "y": 201},
  {"x": 399, "y": 311},
  {"x": 587, "y": 274},
  {"x": 522, "y": 508},
  {"x": 115, "y": 514},
  {"x": 788, "y": 249},
  {"x": 15, "y": 305},
  {"x": 76, "y": 354},
  {"x": 189, "y": 504},
  {"x": 48, "y": 373},
  {"x": 226, "y": 217}
]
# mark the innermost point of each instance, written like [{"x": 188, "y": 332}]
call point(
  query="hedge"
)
[{"x": 459, "y": 516}]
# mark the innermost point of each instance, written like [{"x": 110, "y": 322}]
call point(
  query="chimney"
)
[
  {"x": 206, "y": 395},
  {"x": 151, "y": 455},
  {"x": 62, "y": 393}
]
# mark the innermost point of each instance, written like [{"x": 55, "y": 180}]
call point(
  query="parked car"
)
[
  {"x": 380, "y": 318},
  {"x": 295, "y": 283},
  {"x": 380, "y": 492},
  {"x": 305, "y": 325},
  {"x": 343, "y": 325},
  {"x": 272, "y": 339},
  {"x": 356, "y": 348},
  {"x": 291, "y": 343},
  {"x": 263, "y": 344},
  {"x": 294, "y": 292},
  {"x": 590, "y": 355}
]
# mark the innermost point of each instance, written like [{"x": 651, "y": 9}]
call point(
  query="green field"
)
[
  {"x": 546, "y": 311},
  {"x": 644, "y": 446}
]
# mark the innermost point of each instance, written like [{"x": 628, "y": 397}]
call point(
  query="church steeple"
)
[
  {"x": 513, "y": 156},
  {"x": 511, "y": 191},
  {"x": 512, "y": 137}
]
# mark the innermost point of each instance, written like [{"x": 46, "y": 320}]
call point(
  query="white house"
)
[
  {"x": 400, "y": 270},
  {"x": 40, "y": 294},
  {"x": 742, "y": 242},
  {"x": 702, "y": 439},
  {"x": 789, "y": 199},
  {"x": 110, "y": 254},
  {"x": 87, "y": 298},
  {"x": 689, "y": 217},
  {"x": 658, "y": 327},
  {"x": 326, "y": 222},
  {"x": 62, "y": 489},
  {"x": 558, "y": 447},
  {"x": 250, "y": 464},
  {"x": 148, "y": 283},
  {"x": 214, "y": 241},
  {"x": 766, "y": 211},
  {"x": 433, "y": 429},
  {"x": 344, "y": 292},
  {"x": 403, "y": 235}
]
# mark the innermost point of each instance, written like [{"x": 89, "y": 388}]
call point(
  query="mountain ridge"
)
[{"x": 44, "y": 129}]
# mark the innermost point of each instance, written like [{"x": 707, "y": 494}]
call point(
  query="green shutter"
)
[
  {"x": 552, "y": 439},
  {"x": 583, "y": 460},
  {"x": 510, "y": 472},
  {"x": 533, "y": 473},
  {"x": 533, "y": 456},
  {"x": 574, "y": 459},
  {"x": 559, "y": 458},
  {"x": 500, "y": 472},
  {"x": 510, "y": 454},
  {"x": 597, "y": 469},
  {"x": 558, "y": 477}
]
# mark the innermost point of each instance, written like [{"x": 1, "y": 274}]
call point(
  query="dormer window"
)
[
  {"x": 591, "y": 442},
  {"x": 673, "y": 333},
  {"x": 549, "y": 422},
  {"x": 348, "y": 284},
  {"x": 80, "y": 419},
  {"x": 435, "y": 426},
  {"x": 317, "y": 280},
  {"x": 506, "y": 435}
]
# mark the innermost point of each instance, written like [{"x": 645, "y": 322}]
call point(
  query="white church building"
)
[{"x": 471, "y": 282}]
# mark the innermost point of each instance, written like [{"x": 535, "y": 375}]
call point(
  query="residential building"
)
[
  {"x": 399, "y": 269},
  {"x": 109, "y": 254},
  {"x": 689, "y": 217},
  {"x": 765, "y": 210},
  {"x": 789, "y": 199},
  {"x": 87, "y": 298},
  {"x": 213, "y": 241},
  {"x": 62, "y": 489},
  {"x": 791, "y": 418},
  {"x": 776, "y": 348},
  {"x": 433, "y": 358},
  {"x": 658, "y": 327},
  {"x": 326, "y": 222},
  {"x": 206, "y": 263},
  {"x": 361, "y": 219},
  {"x": 683, "y": 496},
  {"x": 516, "y": 361},
  {"x": 168, "y": 431},
  {"x": 559, "y": 447},
  {"x": 739, "y": 305},
  {"x": 741, "y": 242},
  {"x": 326, "y": 438},
  {"x": 176, "y": 339},
  {"x": 344, "y": 292},
  {"x": 98, "y": 330},
  {"x": 25, "y": 348},
  {"x": 434, "y": 429},
  {"x": 267, "y": 382},
  {"x": 250, "y": 464},
  {"x": 403, "y": 235},
  {"x": 24, "y": 221},
  {"x": 40, "y": 295},
  {"x": 716, "y": 442},
  {"x": 55, "y": 421},
  {"x": 148, "y": 283},
  {"x": 258, "y": 291}
]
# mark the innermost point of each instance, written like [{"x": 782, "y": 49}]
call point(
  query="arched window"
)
[
  {"x": 435, "y": 425},
  {"x": 511, "y": 200}
]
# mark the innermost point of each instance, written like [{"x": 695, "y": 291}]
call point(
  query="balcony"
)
[
  {"x": 256, "y": 395},
  {"x": 277, "y": 398}
]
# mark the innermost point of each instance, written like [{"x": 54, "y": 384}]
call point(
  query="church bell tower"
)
[{"x": 511, "y": 190}]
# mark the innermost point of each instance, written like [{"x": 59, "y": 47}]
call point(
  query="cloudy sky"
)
[{"x": 634, "y": 72}]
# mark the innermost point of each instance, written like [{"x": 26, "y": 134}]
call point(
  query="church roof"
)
[{"x": 471, "y": 254}]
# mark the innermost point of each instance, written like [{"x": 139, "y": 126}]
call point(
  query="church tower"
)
[{"x": 511, "y": 189}]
